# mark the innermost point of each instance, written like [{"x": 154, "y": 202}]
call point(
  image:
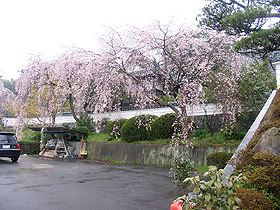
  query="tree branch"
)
[
  {"x": 271, "y": 15},
  {"x": 168, "y": 104}
]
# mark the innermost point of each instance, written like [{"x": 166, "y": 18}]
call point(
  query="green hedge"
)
[
  {"x": 137, "y": 128},
  {"x": 117, "y": 125},
  {"x": 219, "y": 159},
  {"x": 162, "y": 127}
]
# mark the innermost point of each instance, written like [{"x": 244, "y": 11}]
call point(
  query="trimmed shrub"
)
[
  {"x": 162, "y": 127},
  {"x": 251, "y": 199},
  {"x": 109, "y": 127},
  {"x": 136, "y": 128},
  {"x": 265, "y": 173},
  {"x": 29, "y": 148},
  {"x": 218, "y": 159},
  {"x": 113, "y": 128}
]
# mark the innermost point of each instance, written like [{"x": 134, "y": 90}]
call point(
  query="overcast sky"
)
[{"x": 46, "y": 26}]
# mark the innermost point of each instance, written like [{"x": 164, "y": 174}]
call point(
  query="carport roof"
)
[{"x": 57, "y": 130}]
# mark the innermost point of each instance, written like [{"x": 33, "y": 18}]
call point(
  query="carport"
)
[{"x": 58, "y": 147}]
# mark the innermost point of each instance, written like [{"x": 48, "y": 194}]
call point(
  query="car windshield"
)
[{"x": 7, "y": 139}]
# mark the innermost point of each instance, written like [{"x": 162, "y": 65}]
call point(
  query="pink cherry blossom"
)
[{"x": 180, "y": 62}]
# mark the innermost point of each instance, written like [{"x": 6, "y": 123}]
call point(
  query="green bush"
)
[
  {"x": 200, "y": 133},
  {"x": 263, "y": 173},
  {"x": 262, "y": 169},
  {"x": 109, "y": 127},
  {"x": 137, "y": 128},
  {"x": 85, "y": 120},
  {"x": 33, "y": 136},
  {"x": 218, "y": 159},
  {"x": 37, "y": 136},
  {"x": 234, "y": 135},
  {"x": 218, "y": 193},
  {"x": 251, "y": 199},
  {"x": 162, "y": 127},
  {"x": 82, "y": 129},
  {"x": 113, "y": 128}
]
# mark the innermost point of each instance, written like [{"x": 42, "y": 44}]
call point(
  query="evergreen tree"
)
[{"x": 247, "y": 19}]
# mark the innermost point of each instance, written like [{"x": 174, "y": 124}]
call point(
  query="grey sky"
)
[{"x": 46, "y": 26}]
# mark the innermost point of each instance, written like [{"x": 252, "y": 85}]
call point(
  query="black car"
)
[{"x": 9, "y": 146}]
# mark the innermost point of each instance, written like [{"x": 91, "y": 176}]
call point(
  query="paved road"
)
[{"x": 44, "y": 183}]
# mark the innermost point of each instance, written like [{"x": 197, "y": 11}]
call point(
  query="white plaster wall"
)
[{"x": 277, "y": 68}]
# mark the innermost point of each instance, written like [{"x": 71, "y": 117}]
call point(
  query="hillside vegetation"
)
[{"x": 262, "y": 169}]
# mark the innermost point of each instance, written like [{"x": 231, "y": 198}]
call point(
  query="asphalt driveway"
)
[{"x": 45, "y": 183}]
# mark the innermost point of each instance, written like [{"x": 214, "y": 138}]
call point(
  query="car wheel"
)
[{"x": 15, "y": 158}]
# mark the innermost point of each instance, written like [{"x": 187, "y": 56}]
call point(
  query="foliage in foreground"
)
[
  {"x": 218, "y": 193},
  {"x": 202, "y": 169}
]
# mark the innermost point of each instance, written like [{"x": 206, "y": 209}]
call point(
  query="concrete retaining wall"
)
[{"x": 146, "y": 154}]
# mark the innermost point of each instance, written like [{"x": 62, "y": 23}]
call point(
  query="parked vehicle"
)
[{"x": 9, "y": 146}]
